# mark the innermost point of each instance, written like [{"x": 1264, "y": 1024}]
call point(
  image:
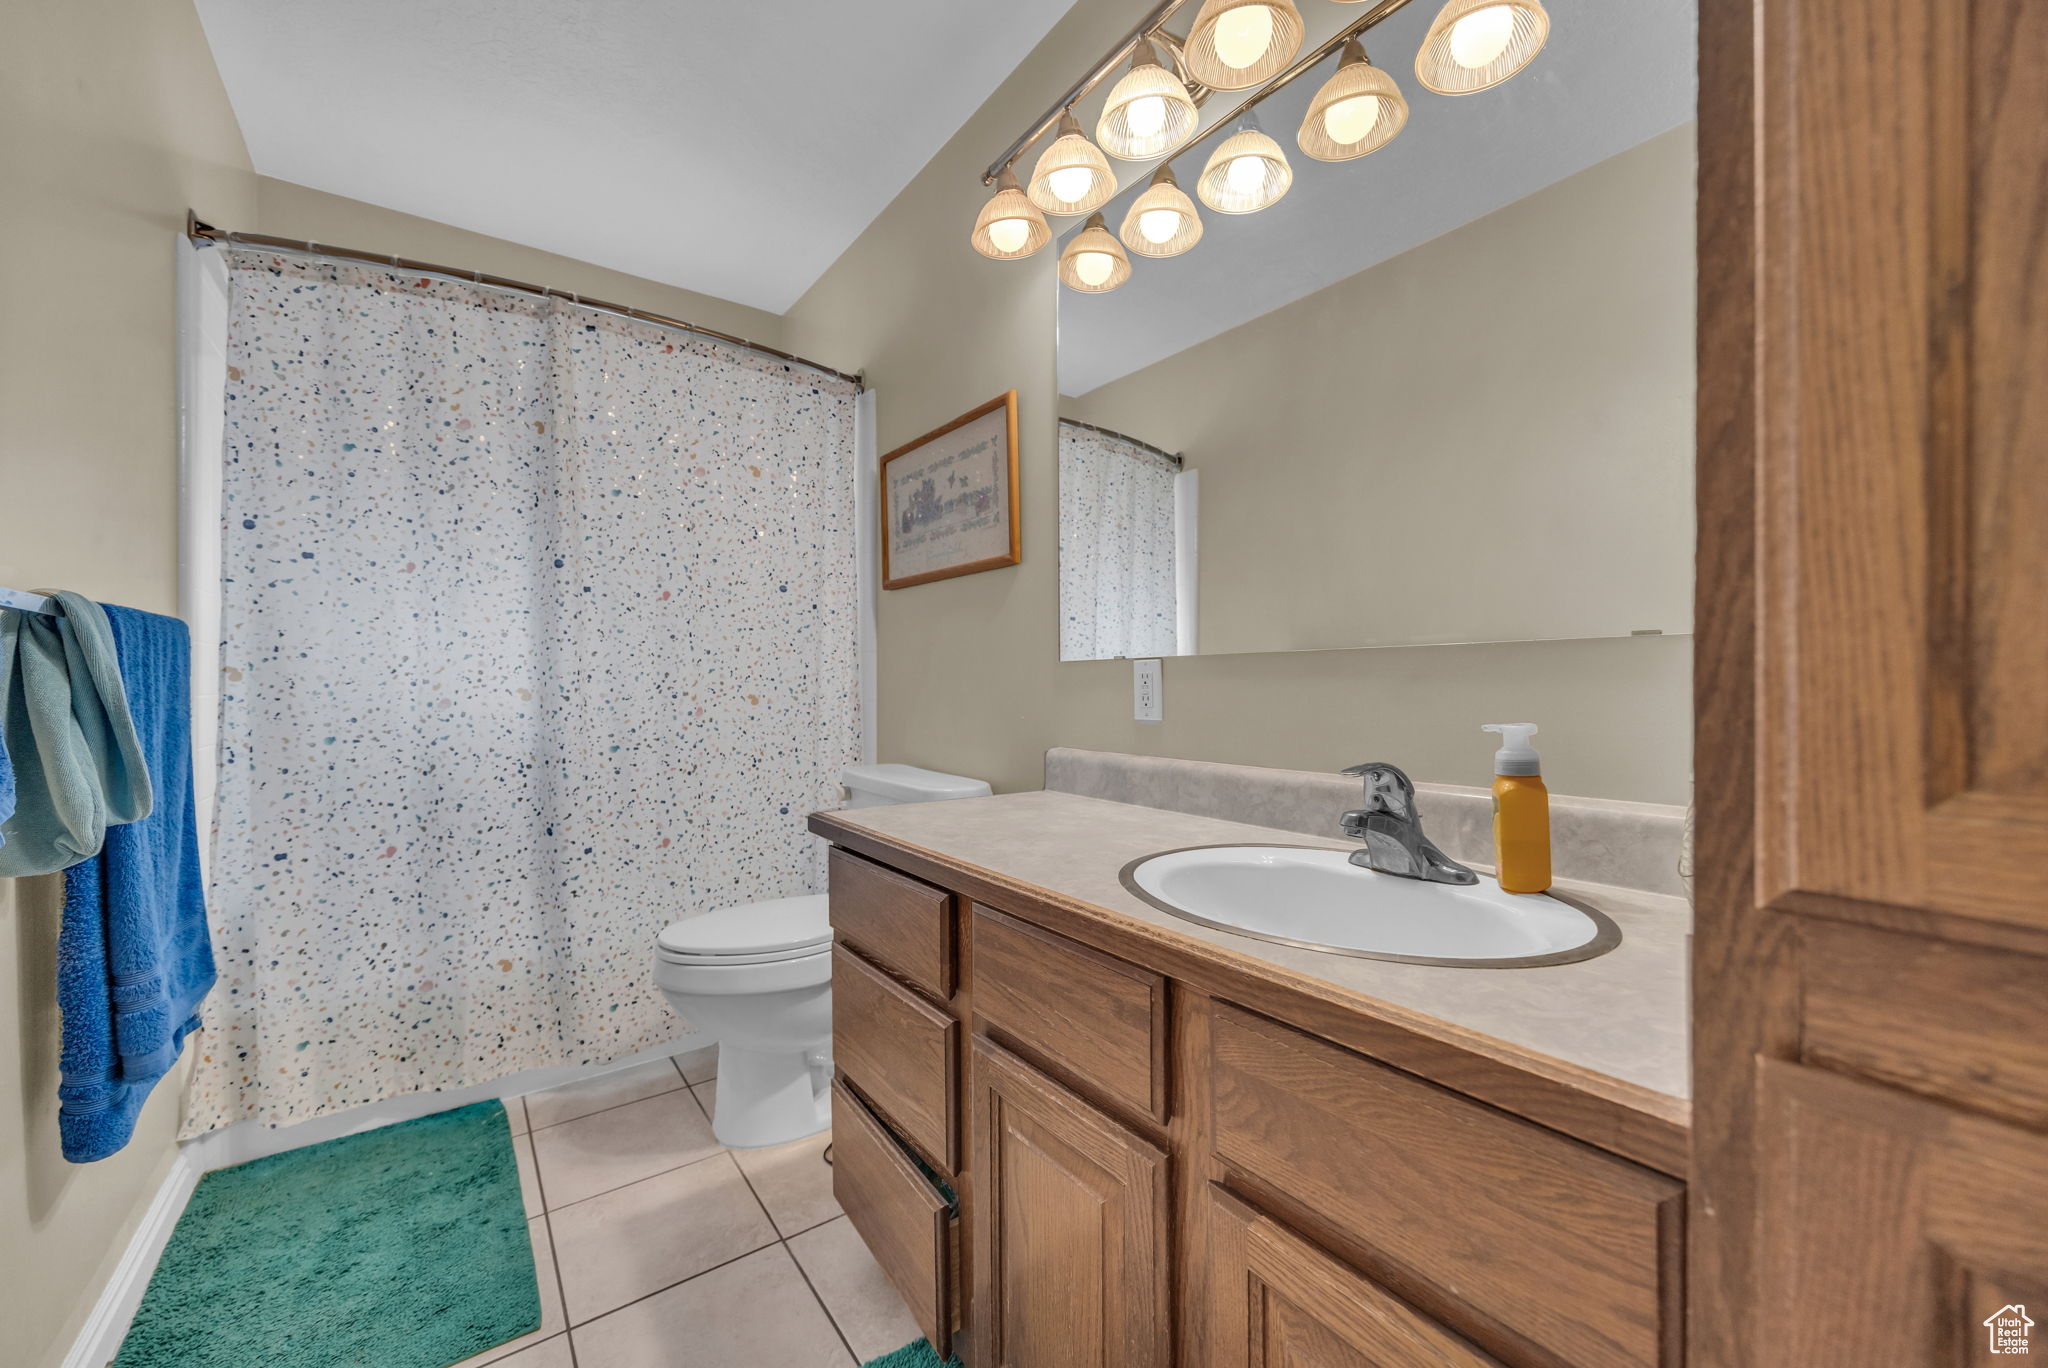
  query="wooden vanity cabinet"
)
[{"x": 1158, "y": 1169}]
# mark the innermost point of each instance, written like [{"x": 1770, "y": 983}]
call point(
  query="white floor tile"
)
[
  {"x": 868, "y": 1310},
  {"x": 552, "y": 1322},
  {"x": 756, "y": 1312},
  {"x": 622, "y": 1245},
  {"x": 613, "y": 1089},
  {"x": 529, "y": 1175},
  {"x": 515, "y": 1114},
  {"x": 793, "y": 1181},
  {"x": 610, "y": 1149},
  {"x": 552, "y": 1353}
]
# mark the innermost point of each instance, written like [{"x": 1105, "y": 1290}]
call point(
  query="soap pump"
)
[{"x": 1521, "y": 811}]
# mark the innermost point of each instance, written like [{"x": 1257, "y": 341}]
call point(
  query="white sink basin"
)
[{"x": 1319, "y": 899}]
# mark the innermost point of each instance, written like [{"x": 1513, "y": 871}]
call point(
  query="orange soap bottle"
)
[{"x": 1521, "y": 811}]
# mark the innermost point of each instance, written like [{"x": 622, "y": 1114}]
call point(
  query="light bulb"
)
[
  {"x": 1246, "y": 175},
  {"x": 1242, "y": 36},
  {"x": 1158, "y": 226},
  {"x": 1145, "y": 117},
  {"x": 1092, "y": 268},
  {"x": 1482, "y": 36},
  {"x": 1007, "y": 235},
  {"x": 1349, "y": 121},
  {"x": 1071, "y": 185}
]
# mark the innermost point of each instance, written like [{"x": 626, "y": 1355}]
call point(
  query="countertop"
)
[{"x": 1621, "y": 1019}]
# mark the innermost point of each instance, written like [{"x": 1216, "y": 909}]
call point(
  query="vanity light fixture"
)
[
  {"x": 1162, "y": 222},
  {"x": 1238, "y": 44},
  {"x": 1072, "y": 176},
  {"x": 1358, "y": 110},
  {"x": 1474, "y": 44},
  {"x": 1009, "y": 227},
  {"x": 1246, "y": 173},
  {"x": 1148, "y": 113},
  {"x": 1094, "y": 262}
]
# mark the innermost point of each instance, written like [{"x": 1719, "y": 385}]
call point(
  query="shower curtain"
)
[
  {"x": 1117, "y": 553},
  {"x": 538, "y": 633}
]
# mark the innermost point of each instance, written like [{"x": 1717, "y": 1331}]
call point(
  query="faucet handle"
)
[{"x": 1387, "y": 789}]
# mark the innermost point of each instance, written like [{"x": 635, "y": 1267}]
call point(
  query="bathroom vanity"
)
[{"x": 1077, "y": 1130}]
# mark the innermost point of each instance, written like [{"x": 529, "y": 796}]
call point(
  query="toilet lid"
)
[{"x": 779, "y": 929}]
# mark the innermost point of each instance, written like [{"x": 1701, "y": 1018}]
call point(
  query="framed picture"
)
[{"x": 949, "y": 499}]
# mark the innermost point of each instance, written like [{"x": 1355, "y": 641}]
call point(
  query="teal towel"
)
[{"x": 78, "y": 764}]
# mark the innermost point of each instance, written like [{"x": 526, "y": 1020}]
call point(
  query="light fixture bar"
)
[
  {"x": 1146, "y": 29},
  {"x": 1150, "y": 29}
]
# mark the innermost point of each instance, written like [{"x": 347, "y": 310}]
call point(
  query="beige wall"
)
[
  {"x": 112, "y": 122},
  {"x": 968, "y": 672},
  {"x": 293, "y": 211},
  {"x": 1486, "y": 438}
]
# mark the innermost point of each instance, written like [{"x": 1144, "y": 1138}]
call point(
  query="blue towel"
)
[{"x": 134, "y": 958}]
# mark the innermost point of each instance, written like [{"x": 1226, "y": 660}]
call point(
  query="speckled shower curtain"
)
[
  {"x": 539, "y": 632},
  {"x": 1118, "y": 592}
]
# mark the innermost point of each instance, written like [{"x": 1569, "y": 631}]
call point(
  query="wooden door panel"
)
[
  {"x": 1905, "y": 448},
  {"x": 1279, "y": 1302},
  {"x": 1894, "y": 1226},
  {"x": 1070, "y": 1228}
]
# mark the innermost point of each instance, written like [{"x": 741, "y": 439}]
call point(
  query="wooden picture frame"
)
[{"x": 930, "y": 534}]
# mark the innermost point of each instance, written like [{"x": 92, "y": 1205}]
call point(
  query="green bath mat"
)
[
  {"x": 404, "y": 1247},
  {"x": 918, "y": 1355}
]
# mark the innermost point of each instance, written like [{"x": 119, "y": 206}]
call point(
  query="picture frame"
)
[{"x": 949, "y": 499}]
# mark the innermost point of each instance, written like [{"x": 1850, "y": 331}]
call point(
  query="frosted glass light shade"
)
[
  {"x": 1358, "y": 110},
  {"x": 1094, "y": 262},
  {"x": 1072, "y": 176},
  {"x": 1246, "y": 173},
  {"x": 1474, "y": 44},
  {"x": 1148, "y": 113},
  {"x": 1009, "y": 227},
  {"x": 1164, "y": 206},
  {"x": 1238, "y": 44}
]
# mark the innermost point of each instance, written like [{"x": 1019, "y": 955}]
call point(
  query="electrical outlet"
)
[{"x": 1147, "y": 701}]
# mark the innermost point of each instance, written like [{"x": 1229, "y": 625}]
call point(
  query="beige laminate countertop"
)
[{"x": 1621, "y": 1017}]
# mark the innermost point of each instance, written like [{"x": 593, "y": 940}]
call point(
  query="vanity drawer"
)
[
  {"x": 1300, "y": 1306},
  {"x": 895, "y": 920},
  {"x": 909, "y": 1225},
  {"x": 899, "y": 1050},
  {"x": 1097, "y": 1017},
  {"x": 1563, "y": 1244}
]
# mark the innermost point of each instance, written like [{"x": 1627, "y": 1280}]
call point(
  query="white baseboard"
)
[{"x": 107, "y": 1326}]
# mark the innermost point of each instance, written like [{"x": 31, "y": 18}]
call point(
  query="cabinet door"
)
[
  {"x": 1070, "y": 1228},
  {"x": 1279, "y": 1302}
]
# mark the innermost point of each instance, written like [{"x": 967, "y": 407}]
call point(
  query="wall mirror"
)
[{"x": 1439, "y": 393}]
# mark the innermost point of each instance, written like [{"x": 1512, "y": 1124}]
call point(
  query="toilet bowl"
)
[{"x": 758, "y": 977}]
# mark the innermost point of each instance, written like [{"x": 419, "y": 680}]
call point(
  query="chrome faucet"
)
[{"x": 1392, "y": 830}]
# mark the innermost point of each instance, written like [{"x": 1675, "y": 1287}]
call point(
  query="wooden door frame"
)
[{"x": 1744, "y": 985}]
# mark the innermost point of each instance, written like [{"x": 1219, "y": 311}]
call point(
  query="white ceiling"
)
[
  {"x": 733, "y": 147},
  {"x": 1615, "y": 73}
]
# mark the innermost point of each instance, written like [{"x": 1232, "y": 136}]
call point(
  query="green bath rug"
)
[
  {"x": 918, "y": 1355},
  {"x": 403, "y": 1247}
]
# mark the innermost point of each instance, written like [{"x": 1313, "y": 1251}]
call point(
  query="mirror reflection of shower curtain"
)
[
  {"x": 1118, "y": 552},
  {"x": 539, "y": 632}
]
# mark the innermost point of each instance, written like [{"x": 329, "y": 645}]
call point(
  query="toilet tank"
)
[{"x": 883, "y": 785}]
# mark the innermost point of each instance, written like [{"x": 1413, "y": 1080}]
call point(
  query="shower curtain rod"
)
[
  {"x": 204, "y": 233},
  {"x": 1173, "y": 456}
]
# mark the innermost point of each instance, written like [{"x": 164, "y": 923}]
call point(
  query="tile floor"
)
[{"x": 659, "y": 1248}]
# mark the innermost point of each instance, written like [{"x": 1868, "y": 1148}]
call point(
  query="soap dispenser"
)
[{"x": 1521, "y": 811}]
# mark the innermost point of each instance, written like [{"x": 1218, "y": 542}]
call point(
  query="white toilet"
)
[{"x": 759, "y": 978}]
